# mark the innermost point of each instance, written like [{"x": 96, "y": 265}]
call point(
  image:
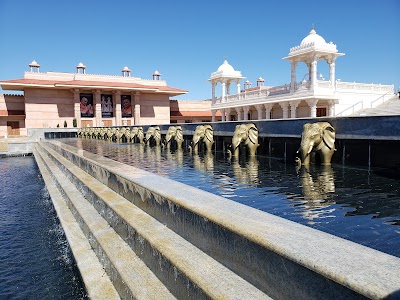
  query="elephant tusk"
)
[{"x": 310, "y": 149}]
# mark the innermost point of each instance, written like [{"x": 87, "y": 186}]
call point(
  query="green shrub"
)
[
  {"x": 65, "y": 124},
  {"x": 74, "y": 123}
]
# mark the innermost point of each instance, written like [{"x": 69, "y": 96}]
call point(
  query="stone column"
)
[
  {"x": 117, "y": 107},
  {"x": 260, "y": 110},
  {"x": 285, "y": 109},
  {"x": 312, "y": 103},
  {"x": 228, "y": 114},
  {"x": 293, "y": 65},
  {"x": 331, "y": 108},
  {"x": 228, "y": 87},
  {"x": 137, "y": 108},
  {"x": 222, "y": 115},
  {"x": 77, "y": 107},
  {"x": 246, "y": 113},
  {"x": 332, "y": 72},
  {"x": 97, "y": 113},
  {"x": 268, "y": 108},
  {"x": 238, "y": 86},
  {"x": 293, "y": 107},
  {"x": 313, "y": 73},
  {"x": 213, "y": 84},
  {"x": 213, "y": 116},
  {"x": 239, "y": 113},
  {"x": 223, "y": 91}
]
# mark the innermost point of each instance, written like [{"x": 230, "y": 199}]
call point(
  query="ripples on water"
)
[
  {"x": 35, "y": 260},
  {"x": 353, "y": 203}
]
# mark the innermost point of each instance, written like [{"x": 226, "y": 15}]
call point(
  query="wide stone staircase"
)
[
  {"x": 388, "y": 108},
  {"x": 137, "y": 235}
]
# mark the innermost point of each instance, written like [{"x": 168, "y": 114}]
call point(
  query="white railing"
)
[
  {"x": 352, "y": 109},
  {"x": 382, "y": 99},
  {"x": 371, "y": 87},
  {"x": 324, "y": 83}
]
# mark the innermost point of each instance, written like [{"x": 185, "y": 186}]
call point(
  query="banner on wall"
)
[
  {"x": 126, "y": 106},
  {"x": 86, "y": 105},
  {"x": 106, "y": 106}
]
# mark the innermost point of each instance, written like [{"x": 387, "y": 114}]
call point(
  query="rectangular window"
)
[{"x": 321, "y": 111}]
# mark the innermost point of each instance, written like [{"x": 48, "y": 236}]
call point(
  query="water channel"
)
[
  {"x": 354, "y": 203},
  {"x": 35, "y": 259}
]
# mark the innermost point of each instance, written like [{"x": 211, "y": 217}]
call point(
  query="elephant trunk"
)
[
  {"x": 196, "y": 140},
  {"x": 306, "y": 148},
  {"x": 235, "y": 146}
]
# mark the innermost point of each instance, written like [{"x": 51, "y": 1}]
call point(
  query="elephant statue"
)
[
  {"x": 317, "y": 137},
  {"x": 248, "y": 134},
  {"x": 138, "y": 133},
  {"x": 204, "y": 133},
  {"x": 153, "y": 133},
  {"x": 103, "y": 132},
  {"x": 174, "y": 133}
]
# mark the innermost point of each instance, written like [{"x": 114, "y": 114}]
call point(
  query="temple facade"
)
[
  {"x": 311, "y": 97},
  {"x": 56, "y": 99}
]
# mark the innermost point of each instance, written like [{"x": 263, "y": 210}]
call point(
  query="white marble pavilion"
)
[{"x": 312, "y": 97}]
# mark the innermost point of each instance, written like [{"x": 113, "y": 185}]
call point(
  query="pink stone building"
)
[{"x": 52, "y": 99}]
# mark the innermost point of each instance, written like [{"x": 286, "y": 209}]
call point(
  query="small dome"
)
[
  {"x": 156, "y": 73},
  {"x": 313, "y": 37},
  {"x": 226, "y": 68},
  {"x": 81, "y": 66},
  {"x": 260, "y": 79},
  {"x": 126, "y": 69},
  {"x": 34, "y": 64}
]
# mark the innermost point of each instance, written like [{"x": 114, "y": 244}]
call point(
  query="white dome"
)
[
  {"x": 34, "y": 64},
  {"x": 313, "y": 37},
  {"x": 226, "y": 68},
  {"x": 81, "y": 65}
]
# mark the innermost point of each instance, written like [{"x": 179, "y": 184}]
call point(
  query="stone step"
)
[
  {"x": 98, "y": 284},
  {"x": 129, "y": 275},
  {"x": 187, "y": 271}
]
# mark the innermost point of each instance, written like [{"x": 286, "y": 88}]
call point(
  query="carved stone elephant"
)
[
  {"x": 153, "y": 133},
  {"x": 247, "y": 134},
  {"x": 317, "y": 138},
  {"x": 138, "y": 133},
  {"x": 203, "y": 133},
  {"x": 174, "y": 133}
]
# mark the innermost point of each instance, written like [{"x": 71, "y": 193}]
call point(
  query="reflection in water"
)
[
  {"x": 317, "y": 188},
  {"x": 246, "y": 172},
  {"x": 352, "y": 203}
]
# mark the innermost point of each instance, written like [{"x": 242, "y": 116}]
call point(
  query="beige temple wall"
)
[
  {"x": 45, "y": 108},
  {"x": 154, "y": 109}
]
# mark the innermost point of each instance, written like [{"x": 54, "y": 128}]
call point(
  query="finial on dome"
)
[{"x": 313, "y": 29}]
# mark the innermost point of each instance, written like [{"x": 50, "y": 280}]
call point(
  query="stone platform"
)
[{"x": 144, "y": 236}]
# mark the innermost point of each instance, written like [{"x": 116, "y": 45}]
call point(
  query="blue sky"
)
[{"x": 188, "y": 40}]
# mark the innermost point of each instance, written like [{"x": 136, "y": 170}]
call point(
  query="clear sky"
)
[{"x": 188, "y": 40}]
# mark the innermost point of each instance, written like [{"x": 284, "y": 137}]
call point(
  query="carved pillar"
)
[
  {"x": 239, "y": 113},
  {"x": 213, "y": 116},
  {"x": 260, "y": 110},
  {"x": 312, "y": 103},
  {"x": 228, "y": 87},
  {"x": 331, "y": 108},
  {"x": 285, "y": 109},
  {"x": 246, "y": 113},
  {"x": 77, "y": 108},
  {"x": 268, "y": 108},
  {"x": 293, "y": 107},
  {"x": 238, "y": 86},
  {"x": 313, "y": 73},
  {"x": 223, "y": 91},
  {"x": 332, "y": 72},
  {"x": 293, "y": 65},
  {"x": 117, "y": 108},
  {"x": 213, "y": 84},
  {"x": 97, "y": 113},
  {"x": 228, "y": 114},
  {"x": 222, "y": 115},
  {"x": 137, "y": 108}
]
